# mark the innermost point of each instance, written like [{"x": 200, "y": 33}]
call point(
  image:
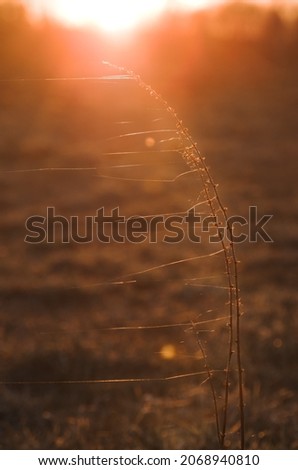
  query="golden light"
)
[
  {"x": 150, "y": 142},
  {"x": 168, "y": 352},
  {"x": 114, "y": 16}
]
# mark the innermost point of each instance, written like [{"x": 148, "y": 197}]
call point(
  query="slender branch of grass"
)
[
  {"x": 210, "y": 377},
  {"x": 190, "y": 152}
]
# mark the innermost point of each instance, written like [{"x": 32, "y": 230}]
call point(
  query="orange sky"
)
[{"x": 120, "y": 15}]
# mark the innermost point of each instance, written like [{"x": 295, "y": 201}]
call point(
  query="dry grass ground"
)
[{"x": 53, "y": 318}]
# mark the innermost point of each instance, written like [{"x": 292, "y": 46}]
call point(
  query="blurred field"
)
[{"x": 57, "y": 301}]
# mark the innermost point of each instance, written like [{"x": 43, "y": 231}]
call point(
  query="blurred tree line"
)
[{"x": 236, "y": 43}]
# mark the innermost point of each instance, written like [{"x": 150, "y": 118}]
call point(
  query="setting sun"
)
[
  {"x": 119, "y": 16},
  {"x": 112, "y": 16}
]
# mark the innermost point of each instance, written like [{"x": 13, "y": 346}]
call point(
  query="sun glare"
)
[
  {"x": 109, "y": 15},
  {"x": 119, "y": 16},
  {"x": 194, "y": 4}
]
